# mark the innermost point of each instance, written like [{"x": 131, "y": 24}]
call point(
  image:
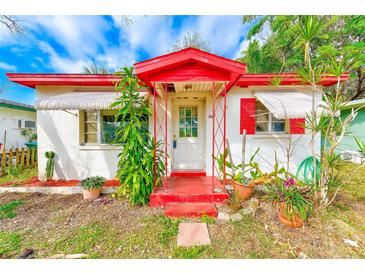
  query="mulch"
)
[{"x": 35, "y": 182}]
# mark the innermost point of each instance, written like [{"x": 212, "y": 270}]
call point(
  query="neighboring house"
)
[
  {"x": 15, "y": 117},
  {"x": 199, "y": 102},
  {"x": 348, "y": 146}
]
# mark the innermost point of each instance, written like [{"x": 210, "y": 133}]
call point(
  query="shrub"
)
[{"x": 93, "y": 182}]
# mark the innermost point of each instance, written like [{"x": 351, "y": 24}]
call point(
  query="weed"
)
[
  {"x": 189, "y": 252},
  {"x": 6, "y": 211},
  {"x": 207, "y": 219},
  {"x": 170, "y": 229}
]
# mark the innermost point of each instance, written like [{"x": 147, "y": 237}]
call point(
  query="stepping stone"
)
[{"x": 193, "y": 234}]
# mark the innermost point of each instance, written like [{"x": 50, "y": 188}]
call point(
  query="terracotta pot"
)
[
  {"x": 235, "y": 206},
  {"x": 294, "y": 221},
  {"x": 91, "y": 194},
  {"x": 244, "y": 192}
]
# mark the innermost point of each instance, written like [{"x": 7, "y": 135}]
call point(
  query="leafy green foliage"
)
[
  {"x": 169, "y": 230},
  {"x": 9, "y": 243},
  {"x": 7, "y": 210},
  {"x": 189, "y": 252},
  {"x": 207, "y": 219},
  {"x": 94, "y": 182},
  {"x": 294, "y": 197},
  {"x": 136, "y": 160},
  {"x": 360, "y": 145}
]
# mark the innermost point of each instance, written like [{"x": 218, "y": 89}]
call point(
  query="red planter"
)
[
  {"x": 293, "y": 221},
  {"x": 244, "y": 192}
]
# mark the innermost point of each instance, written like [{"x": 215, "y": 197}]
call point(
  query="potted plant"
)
[
  {"x": 292, "y": 200},
  {"x": 92, "y": 187}
]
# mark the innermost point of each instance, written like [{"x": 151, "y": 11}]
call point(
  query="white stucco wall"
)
[
  {"x": 59, "y": 131},
  {"x": 9, "y": 122}
]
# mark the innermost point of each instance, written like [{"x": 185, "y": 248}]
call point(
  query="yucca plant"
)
[{"x": 136, "y": 160}]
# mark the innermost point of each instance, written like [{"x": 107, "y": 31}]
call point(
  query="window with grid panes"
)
[
  {"x": 188, "y": 122},
  {"x": 266, "y": 122}
]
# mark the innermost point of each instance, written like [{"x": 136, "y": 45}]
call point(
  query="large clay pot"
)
[
  {"x": 91, "y": 194},
  {"x": 244, "y": 192},
  {"x": 294, "y": 221}
]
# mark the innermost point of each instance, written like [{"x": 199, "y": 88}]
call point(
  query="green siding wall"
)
[{"x": 357, "y": 128}]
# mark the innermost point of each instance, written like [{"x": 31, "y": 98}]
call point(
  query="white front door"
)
[{"x": 189, "y": 135}]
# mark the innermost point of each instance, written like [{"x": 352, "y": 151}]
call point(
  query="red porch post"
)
[
  {"x": 213, "y": 128},
  {"x": 166, "y": 164},
  {"x": 154, "y": 137},
  {"x": 224, "y": 131}
]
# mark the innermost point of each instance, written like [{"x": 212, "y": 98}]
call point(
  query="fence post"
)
[
  {"x": 22, "y": 158},
  {"x": 28, "y": 158},
  {"x": 17, "y": 157},
  {"x": 3, "y": 162},
  {"x": 10, "y": 158},
  {"x": 32, "y": 157}
]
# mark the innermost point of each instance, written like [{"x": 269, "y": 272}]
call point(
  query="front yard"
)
[{"x": 109, "y": 228}]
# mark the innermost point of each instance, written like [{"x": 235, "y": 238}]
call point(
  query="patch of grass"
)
[
  {"x": 10, "y": 243},
  {"x": 83, "y": 240},
  {"x": 355, "y": 184},
  {"x": 19, "y": 176},
  {"x": 207, "y": 219},
  {"x": 188, "y": 252},
  {"x": 170, "y": 228},
  {"x": 7, "y": 210}
]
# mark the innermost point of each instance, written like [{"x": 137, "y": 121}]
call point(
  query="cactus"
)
[{"x": 50, "y": 164}]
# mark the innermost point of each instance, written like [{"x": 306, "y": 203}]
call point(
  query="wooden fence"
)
[{"x": 20, "y": 158}]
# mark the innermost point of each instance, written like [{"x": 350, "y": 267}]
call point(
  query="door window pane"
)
[{"x": 188, "y": 122}]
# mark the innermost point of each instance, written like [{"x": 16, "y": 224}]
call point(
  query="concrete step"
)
[
  {"x": 190, "y": 210},
  {"x": 160, "y": 199}
]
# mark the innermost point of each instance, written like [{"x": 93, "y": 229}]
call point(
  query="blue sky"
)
[{"x": 64, "y": 44}]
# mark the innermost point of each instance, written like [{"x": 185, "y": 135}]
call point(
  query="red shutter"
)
[
  {"x": 297, "y": 126},
  {"x": 247, "y": 119}
]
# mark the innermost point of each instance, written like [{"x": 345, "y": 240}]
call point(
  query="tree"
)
[
  {"x": 93, "y": 68},
  {"x": 136, "y": 160},
  {"x": 11, "y": 23},
  {"x": 193, "y": 40},
  {"x": 345, "y": 33}
]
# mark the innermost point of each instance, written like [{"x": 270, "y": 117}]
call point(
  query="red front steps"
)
[
  {"x": 189, "y": 196},
  {"x": 188, "y": 173},
  {"x": 190, "y": 210}
]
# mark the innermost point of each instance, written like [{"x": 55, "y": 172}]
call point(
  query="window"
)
[
  {"x": 26, "y": 124},
  {"x": 29, "y": 124},
  {"x": 266, "y": 122},
  {"x": 188, "y": 122},
  {"x": 98, "y": 127}
]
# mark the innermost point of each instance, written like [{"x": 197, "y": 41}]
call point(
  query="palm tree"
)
[{"x": 93, "y": 68}]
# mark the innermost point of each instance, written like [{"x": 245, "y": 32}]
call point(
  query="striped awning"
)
[
  {"x": 287, "y": 104},
  {"x": 78, "y": 101}
]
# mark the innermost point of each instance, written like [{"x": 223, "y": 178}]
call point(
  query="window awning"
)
[
  {"x": 287, "y": 104},
  {"x": 78, "y": 100}
]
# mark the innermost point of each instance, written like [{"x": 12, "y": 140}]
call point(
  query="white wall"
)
[
  {"x": 59, "y": 131},
  {"x": 9, "y": 122}
]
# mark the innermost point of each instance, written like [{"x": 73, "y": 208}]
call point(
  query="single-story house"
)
[
  {"x": 348, "y": 147},
  {"x": 201, "y": 102},
  {"x": 15, "y": 118}
]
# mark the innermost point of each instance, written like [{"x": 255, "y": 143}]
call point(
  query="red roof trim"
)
[
  {"x": 287, "y": 79},
  {"x": 33, "y": 79}
]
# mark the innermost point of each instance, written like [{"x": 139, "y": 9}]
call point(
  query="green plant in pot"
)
[
  {"x": 293, "y": 200},
  {"x": 92, "y": 187}
]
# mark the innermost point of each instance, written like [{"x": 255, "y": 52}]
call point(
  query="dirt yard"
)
[{"x": 109, "y": 228}]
